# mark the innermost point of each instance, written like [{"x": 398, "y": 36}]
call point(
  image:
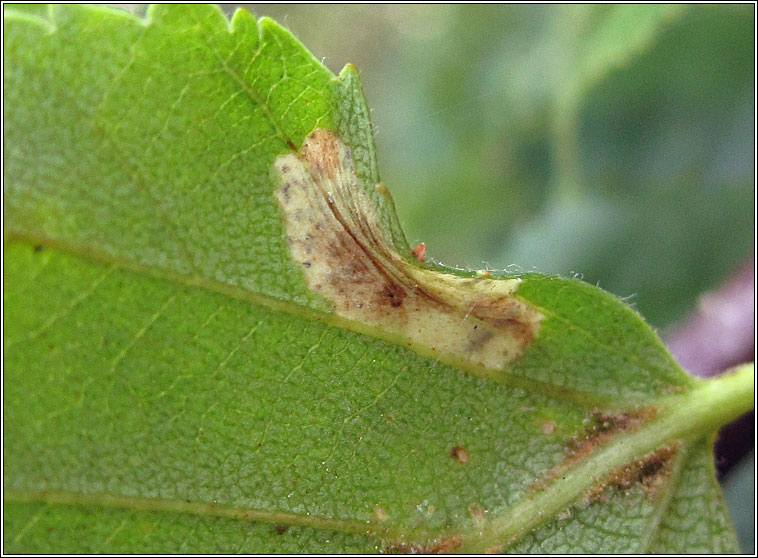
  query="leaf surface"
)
[{"x": 172, "y": 383}]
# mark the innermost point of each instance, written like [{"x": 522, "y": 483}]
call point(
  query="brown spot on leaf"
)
[
  {"x": 459, "y": 454},
  {"x": 394, "y": 295},
  {"x": 380, "y": 514},
  {"x": 280, "y": 529}
]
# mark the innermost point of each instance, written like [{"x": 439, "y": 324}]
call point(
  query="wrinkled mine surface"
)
[{"x": 334, "y": 233}]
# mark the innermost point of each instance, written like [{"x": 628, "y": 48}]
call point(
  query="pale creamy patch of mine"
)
[{"x": 334, "y": 233}]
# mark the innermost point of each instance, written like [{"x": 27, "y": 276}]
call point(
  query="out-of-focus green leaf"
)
[{"x": 736, "y": 487}]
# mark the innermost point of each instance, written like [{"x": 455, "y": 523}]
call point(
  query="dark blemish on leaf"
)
[
  {"x": 38, "y": 248},
  {"x": 285, "y": 168},
  {"x": 307, "y": 264},
  {"x": 291, "y": 145},
  {"x": 394, "y": 294},
  {"x": 459, "y": 454},
  {"x": 280, "y": 529}
]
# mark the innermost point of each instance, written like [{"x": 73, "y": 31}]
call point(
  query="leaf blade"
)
[{"x": 142, "y": 334}]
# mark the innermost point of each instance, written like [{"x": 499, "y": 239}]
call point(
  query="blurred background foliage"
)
[{"x": 612, "y": 142}]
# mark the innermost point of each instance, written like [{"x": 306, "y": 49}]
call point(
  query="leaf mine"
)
[
  {"x": 650, "y": 472},
  {"x": 334, "y": 232}
]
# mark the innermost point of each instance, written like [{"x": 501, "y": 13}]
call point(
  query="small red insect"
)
[{"x": 419, "y": 252}]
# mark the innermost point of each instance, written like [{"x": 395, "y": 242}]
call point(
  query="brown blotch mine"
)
[
  {"x": 650, "y": 472},
  {"x": 459, "y": 454},
  {"x": 334, "y": 232},
  {"x": 435, "y": 547},
  {"x": 601, "y": 428}
]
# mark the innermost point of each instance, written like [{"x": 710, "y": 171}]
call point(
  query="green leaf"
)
[{"x": 178, "y": 379}]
